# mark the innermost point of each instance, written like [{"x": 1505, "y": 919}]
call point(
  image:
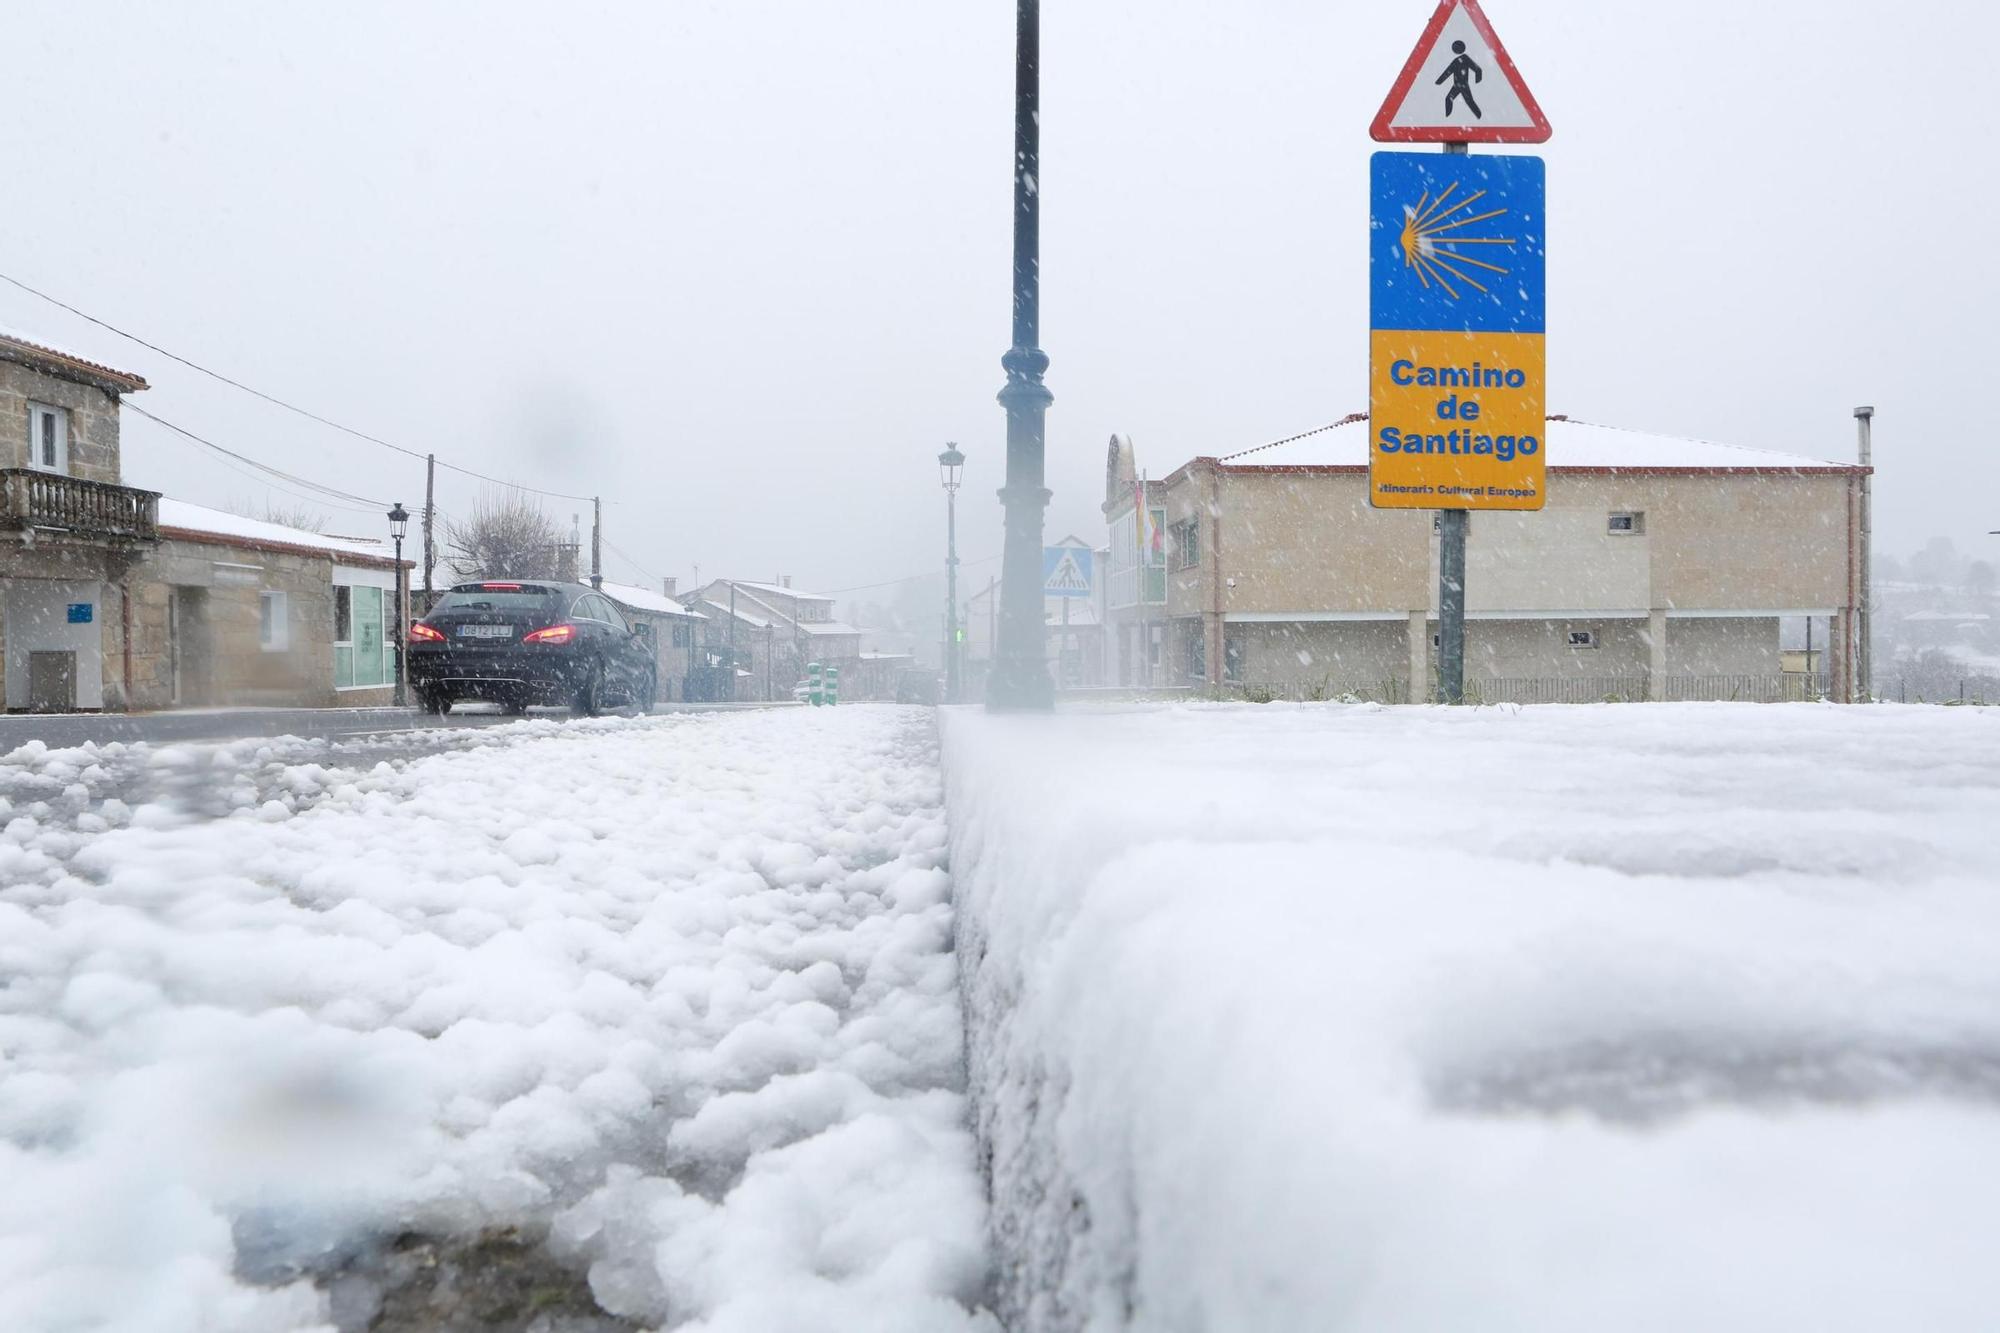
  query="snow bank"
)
[
  {"x": 1647, "y": 1018},
  {"x": 676, "y": 992}
]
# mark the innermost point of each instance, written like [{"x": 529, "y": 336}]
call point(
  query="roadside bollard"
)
[
  {"x": 832, "y": 686},
  {"x": 815, "y": 684}
]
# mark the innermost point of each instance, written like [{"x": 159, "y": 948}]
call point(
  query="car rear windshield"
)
[{"x": 515, "y": 597}]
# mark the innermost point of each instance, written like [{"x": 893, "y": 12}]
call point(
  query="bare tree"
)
[
  {"x": 506, "y": 535},
  {"x": 285, "y": 516}
]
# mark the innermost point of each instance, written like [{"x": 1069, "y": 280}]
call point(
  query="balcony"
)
[{"x": 32, "y": 501}]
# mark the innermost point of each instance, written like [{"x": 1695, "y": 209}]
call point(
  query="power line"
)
[
  {"x": 273, "y": 399},
  {"x": 328, "y": 491}
]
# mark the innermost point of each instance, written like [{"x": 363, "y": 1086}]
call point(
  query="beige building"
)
[
  {"x": 1660, "y": 568},
  {"x": 231, "y": 610}
]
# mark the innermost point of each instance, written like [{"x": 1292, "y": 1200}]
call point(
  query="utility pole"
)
[
  {"x": 1020, "y": 679},
  {"x": 430, "y": 522},
  {"x": 732, "y": 641},
  {"x": 1864, "y": 418},
  {"x": 596, "y": 542}
]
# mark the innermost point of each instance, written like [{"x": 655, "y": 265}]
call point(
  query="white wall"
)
[{"x": 37, "y": 620}]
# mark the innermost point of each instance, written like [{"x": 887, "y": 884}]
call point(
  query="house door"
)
[
  {"x": 190, "y": 661},
  {"x": 51, "y": 682}
]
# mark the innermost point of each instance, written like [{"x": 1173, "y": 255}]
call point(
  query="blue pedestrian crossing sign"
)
[{"x": 1066, "y": 571}]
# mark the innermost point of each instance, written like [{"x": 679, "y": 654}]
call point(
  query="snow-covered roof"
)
[
  {"x": 722, "y": 609},
  {"x": 644, "y": 599},
  {"x": 1570, "y": 444},
  {"x": 124, "y": 380},
  {"x": 827, "y": 627},
  {"x": 1954, "y": 617},
  {"x": 888, "y": 657},
  {"x": 780, "y": 590},
  {"x": 194, "y": 522}
]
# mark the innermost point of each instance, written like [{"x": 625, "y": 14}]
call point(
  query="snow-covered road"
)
[{"x": 673, "y": 997}]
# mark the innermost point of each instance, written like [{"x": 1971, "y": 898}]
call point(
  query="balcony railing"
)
[{"x": 49, "y": 501}]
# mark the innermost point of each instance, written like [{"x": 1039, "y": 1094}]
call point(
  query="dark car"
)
[{"x": 518, "y": 642}]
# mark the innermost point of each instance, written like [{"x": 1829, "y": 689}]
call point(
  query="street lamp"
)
[
  {"x": 399, "y": 523},
  {"x": 1019, "y": 677},
  {"x": 950, "y": 464}
]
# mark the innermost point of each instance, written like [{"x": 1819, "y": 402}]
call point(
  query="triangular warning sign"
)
[{"x": 1460, "y": 87}]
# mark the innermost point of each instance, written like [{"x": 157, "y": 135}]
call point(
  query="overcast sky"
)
[{"x": 742, "y": 267}]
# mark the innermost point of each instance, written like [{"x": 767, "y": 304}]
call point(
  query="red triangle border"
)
[{"x": 1381, "y": 130}]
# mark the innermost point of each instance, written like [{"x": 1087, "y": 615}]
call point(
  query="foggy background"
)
[{"x": 742, "y": 268}]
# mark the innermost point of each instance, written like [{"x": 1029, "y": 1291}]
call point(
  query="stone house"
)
[
  {"x": 230, "y": 610},
  {"x": 1660, "y": 568},
  {"x": 71, "y": 533},
  {"x": 674, "y": 631}
]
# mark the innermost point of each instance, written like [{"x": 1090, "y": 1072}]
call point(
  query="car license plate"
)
[{"x": 485, "y": 631}]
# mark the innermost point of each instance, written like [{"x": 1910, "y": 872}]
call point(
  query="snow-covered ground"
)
[
  {"x": 1661, "y": 1017},
  {"x": 675, "y": 994}
]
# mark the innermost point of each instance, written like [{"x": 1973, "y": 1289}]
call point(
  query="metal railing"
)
[
  {"x": 50, "y": 501},
  {"x": 1928, "y": 689}
]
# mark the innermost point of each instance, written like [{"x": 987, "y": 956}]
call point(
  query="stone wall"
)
[
  {"x": 220, "y": 589},
  {"x": 93, "y": 421}
]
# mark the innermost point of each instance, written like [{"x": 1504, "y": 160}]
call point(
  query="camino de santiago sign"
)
[{"x": 1457, "y": 324}]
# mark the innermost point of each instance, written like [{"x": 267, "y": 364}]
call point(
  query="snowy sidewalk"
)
[
  {"x": 1653, "y": 1018},
  {"x": 675, "y": 993}
]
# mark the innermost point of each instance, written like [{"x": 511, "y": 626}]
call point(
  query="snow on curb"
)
[
  {"x": 1647, "y": 1018},
  {"x": 678, "y": 993}
]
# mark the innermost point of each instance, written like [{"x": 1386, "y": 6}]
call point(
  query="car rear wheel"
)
[
  {"x": 433, "y": 701},
  {"x": 589, "y": 701}
]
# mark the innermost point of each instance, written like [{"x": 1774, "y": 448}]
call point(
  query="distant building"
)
[
  {"x": 673, "y": 631},
  {"x": 774, "y": 631},
  {"x": 1659, "y": 568}
]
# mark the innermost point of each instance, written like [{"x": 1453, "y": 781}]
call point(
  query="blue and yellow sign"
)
[{"x": 1457, "y": 363}]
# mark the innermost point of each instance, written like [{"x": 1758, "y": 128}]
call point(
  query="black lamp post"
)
[
  {"x": 399, "y": 523},
  {"x": 950, "y": 463},
  {"x": 1020, "y": 674}
]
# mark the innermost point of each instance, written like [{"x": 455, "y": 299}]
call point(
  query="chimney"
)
[
  {"x": 784, "y": 580},
  {"x": 667, "y": 586}
]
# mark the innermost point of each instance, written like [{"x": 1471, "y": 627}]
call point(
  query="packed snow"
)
[
  {"x": 675, "y": 995},
  {"x": 1666, "y": 1017}
]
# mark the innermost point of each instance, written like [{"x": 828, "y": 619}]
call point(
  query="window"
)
[
  {"x": 1232, "y": 656},
  {"x": 1630, "y": 524},
  {"x": 681, "y": 636},
  {"x": 364, "y": 651},
  {"x": 273, "y": 622},
  {"x": 1197, "y": 653},
  {"x": 48, "y": 438},
  {"x": 644, "y": 630},
  {"x": 1583, "y": 638},
  {"x": 1187, "y": 542}
]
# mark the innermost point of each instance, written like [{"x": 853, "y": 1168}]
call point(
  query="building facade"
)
[
  {"x": 71, "y": 533},
  {"x": 1659, "y": 568},
  {"x": 227, "y": 610}
]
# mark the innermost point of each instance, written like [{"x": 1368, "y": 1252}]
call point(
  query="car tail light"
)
[
  {"x": 422, "y": 633},
  {"x": 553, "y": 634}
]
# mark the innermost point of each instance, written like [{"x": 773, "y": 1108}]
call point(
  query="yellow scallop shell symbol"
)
[{"x": 1431, "y": 241}]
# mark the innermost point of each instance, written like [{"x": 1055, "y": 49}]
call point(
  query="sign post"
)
[{"x": 1458, "y": 326}]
